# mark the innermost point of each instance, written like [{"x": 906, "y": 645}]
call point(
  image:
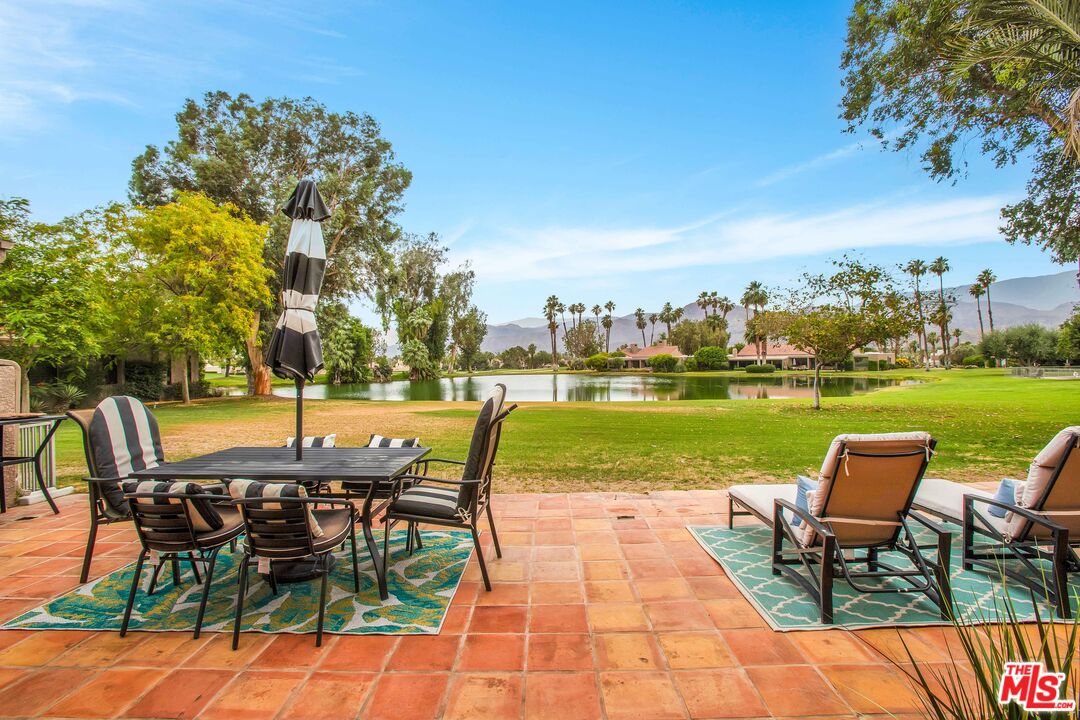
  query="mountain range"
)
[{"x": 1046, "y": 299}]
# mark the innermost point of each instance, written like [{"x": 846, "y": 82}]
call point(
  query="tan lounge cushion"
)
[
  {"x": 945, "y": 499},
  {"x": 1039, "y": 473},
  {"x": 762, "y": 498}
]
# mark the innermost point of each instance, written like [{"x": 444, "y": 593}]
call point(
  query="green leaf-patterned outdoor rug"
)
[
  {"x": 421, "y": 588},
  {"x": 745, "y": 554}
]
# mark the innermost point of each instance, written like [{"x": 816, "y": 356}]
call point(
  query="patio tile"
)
[
  {"x": 795, "y": 691},
  {"x": 558, "y": 619},
  {"x": 293, "y": 652},
  {"x": 359, "y": 652},
  {"x": 653, "y": 569},
  {"x": 46, "y": 588},
  {"x": 498, "y": 619},
  {"x": 609, "y": 591},
  {"x": 696, "y": 650},
  {"x": 699, "y": 566},
  {"x": 492, "y": 652},
  {"x": 663, "y": 589},
  {"x": 13, "y": 607},
  {"x": 218, "y": 652},
  {"x": 456, "y": 620},
  {"x": 40, "y": 688},
  {"x": 762, "y": 647},
  {"x": 559, "y": 651},
  {"x": 645, "y": 551},
  {"x": 561, "y": 695},
  {"x": 678, "y": 615},
  {"x": 155, "y": 649},
  {"x": 406, "y": 696},
  {"x": 734, "y": 613},
  {"x": 556, "y": 592},
  {"x": 639, "y": 695},
  {"x": 10, "y": 637},
  {"x": 601, "y": 552},
  {"x": 425, "y": 652},
  {"x": 504, "y": 594},
  {"x": 719, "y": 694},
  {"x": 604, "y": 570},
  {"x": 100, "y": 650},
  {"x": 617, "y": 617},
  {"x": 637, "y": 651},
  {"x": 872, "y": 689},
  {"x": 42, "y": 647},
  {"x": 328, "y": 696},
  {"x": 556, "y": 571},
  {"x": 253, "y": 695},
  {"x": 180, "y": 694},
  {"x": 484, "y": 696},
  {"x": 834, "y": 646},
  {"x": 109, "y": 692}
]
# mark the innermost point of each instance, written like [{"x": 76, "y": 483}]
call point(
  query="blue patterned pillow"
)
[
  {"x": 804, "y": 488},
  {"x": 1006, "y": 493}
]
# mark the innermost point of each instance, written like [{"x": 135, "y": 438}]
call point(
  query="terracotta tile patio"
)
[{"x": 604, "y": 606}]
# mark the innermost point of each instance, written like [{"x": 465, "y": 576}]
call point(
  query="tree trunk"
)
[
  {"x": 554, "y": 357},
  {"x": 453, "y": 359},
  {"x": 186, "y": 394},
  {"x": 643, "y": 343},
  {"x": 989, "y": 309},
  {"x": 260, "y": 373},
  {"x": 24, "y": 397},
  {"x": 978, "y": 307},
  {"x": 227, "y": 361},
  {"x": 817, "y": 384}
]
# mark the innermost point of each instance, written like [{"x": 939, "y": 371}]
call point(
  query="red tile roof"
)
[
  {"x": 646, "y": 353},
  {"x": 750, "y": 351}
]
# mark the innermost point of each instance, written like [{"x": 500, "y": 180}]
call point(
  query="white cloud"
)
[
  {"x": 811, "y": 164},
  {"x": 728, "y": 238}
]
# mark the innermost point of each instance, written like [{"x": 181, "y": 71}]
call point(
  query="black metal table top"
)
[
  {"x": 280, "y": 464},
  {"x": 27, "y": 418}
]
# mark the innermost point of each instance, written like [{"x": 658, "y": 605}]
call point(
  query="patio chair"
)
[
  {"x": 178, "y": 522},
  {"x": 1032, "y": 541},
  {"x": 120, "y": 436},
  {"x": 281, "y": 525},
  {"x": 862, "y": 504},
  {"x": 459, "y": 503}
]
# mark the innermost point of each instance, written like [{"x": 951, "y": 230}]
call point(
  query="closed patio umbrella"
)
[{"x": 295, "y": 351}]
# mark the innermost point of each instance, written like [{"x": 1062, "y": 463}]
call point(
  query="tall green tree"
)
[
  {"x": 977, "y": 291},
  {"x": 550, "y": 308},
  {"x": 469, "y": 335},
  {"x": 939, "y": 267},
  {"x": 61, "y": 287},
  {"x": 940, "y": 76},
  {"x": 456, "y": 293},
  {"x": 1068, "y": 345},
  {"x": 986, "y": 279},
  {"x": 640, "y": 323},
  {"x": 252, "y": 153},
  {"x": 348, "y": 345},
  {"x": 916, "y": 269},
  {"x": 200, "y": 267}
]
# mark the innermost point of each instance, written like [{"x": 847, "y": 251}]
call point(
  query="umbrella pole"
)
[{"x": 300, "y": 419}]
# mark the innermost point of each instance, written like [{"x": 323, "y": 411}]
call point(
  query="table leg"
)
[
  {"x": 373, "y": 548},
  {"x": 37, "y": 467},
  {"x": 3, "y": 472}
]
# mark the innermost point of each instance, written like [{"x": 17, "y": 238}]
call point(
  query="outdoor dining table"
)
[
  {"x": 34, "y": 458},
  {"x": 376, "y": 466}
]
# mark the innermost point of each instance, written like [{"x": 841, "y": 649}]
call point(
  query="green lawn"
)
[{"x": 987, "y": 424}]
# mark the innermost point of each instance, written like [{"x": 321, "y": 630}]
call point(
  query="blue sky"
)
[{"x": 638, "y": 152}]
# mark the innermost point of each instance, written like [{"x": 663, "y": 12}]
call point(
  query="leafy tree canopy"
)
[{"x": 939, "y": 76}]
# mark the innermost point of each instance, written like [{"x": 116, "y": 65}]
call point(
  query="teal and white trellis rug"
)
[
  {"x": 746, "y": 555},
  {"x": 421, "y": 587}
]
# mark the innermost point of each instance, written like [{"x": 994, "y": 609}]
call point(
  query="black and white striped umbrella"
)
[{"x": 295, "y": 351}]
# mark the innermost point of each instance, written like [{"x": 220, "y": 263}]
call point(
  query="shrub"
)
[
  {"x": 680, "y": 367},
  {"x": 616, "y": 362},
  {"x": 903, "y": 363},
  {"x": 57, "y": 397},
  {"x": 711, "y": 357},
  {"x": 974, "y": 361},
  {"x": 577, "y": 364},
  {"x": 382, "y": 370},
  {"x": 144, "y": 380},
  {"x": 761, "y": 369},
  {"x": 848, "y": 365},
  {"x": 597, "y": 362},
  {"x": 200, "y": 389},
  {"x": 872, "y": 365},
  {"x": 663, "y": 362},
  {"x": 617, "y": 353},
  {"x": 691, "y": 364}
]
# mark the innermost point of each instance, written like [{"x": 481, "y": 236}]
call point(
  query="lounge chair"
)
[
  {"x": 455, "y": 503},
  {"x": 862, "y": 504},
  {"x": 1041, "y": 525}
]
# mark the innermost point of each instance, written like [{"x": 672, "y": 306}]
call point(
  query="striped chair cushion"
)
[
  {"x": 204, "y": 516},
  {"x": 240, "y": 489},
  {"x": 315, "y": 441},
  {"x": 378, "y": 441},
  {"x": 124, "y": 437},
  {"x": 429, "y": 501}
]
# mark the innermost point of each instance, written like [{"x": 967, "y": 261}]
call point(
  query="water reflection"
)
[{"x": 598, "y": 388}]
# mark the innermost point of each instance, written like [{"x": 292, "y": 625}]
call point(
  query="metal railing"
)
[
  {"x": 1048, "y": 371},
  {"x": 30, "y": 437}
]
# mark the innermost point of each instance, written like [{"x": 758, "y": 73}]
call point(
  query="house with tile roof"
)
[
  {"x": 638, "y": 358},
  {"x": 789, "y": 357}
]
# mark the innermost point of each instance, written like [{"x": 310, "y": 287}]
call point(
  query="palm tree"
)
[
  {"x": 550, "y": 308},
  {"x": 676, "y": 315},
  {"x": 916, "y": 269},
  {"x": 607, "y": 321},
  {"x": 652, "y": 330},
  {"x": 532, "y": 353},
  {"x": 639, "y": 321},
  {"x": 988, "y": 278},
  {"x": 596, "y": 310},
  {"x": 956, "y": 333},
  {"x": 749, "y": 297},
  {"x": 932, "y": 340},
  {"x": 703, "y": 301},
  {"x": 561, "y": 309},
  {"x": 939, "y": 267},
  {"x": 977, "y": 291},
  {"x": 667, "y": 315}
]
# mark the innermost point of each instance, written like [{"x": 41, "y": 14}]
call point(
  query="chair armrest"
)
[
  {"x": 440, "y": 460},
  {"x": 428, "y": 478},
  {"x": 170, "y": 496},
  {"x": 928, "y": 523},
  {"x": 289, "y": 500},
  {"x": 805, "y": 516},
  {"x": 1016, "y": 509}
]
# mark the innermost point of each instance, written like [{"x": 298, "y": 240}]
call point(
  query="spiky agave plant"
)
[{"x": 987, "y": 645}]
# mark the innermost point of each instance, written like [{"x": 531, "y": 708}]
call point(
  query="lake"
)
[{"x": 598, "y": 388}]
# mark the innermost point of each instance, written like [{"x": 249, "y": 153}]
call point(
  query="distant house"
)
[
  {"x": 638, "y": 358},
  {"x": 789, "y": 357}
]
